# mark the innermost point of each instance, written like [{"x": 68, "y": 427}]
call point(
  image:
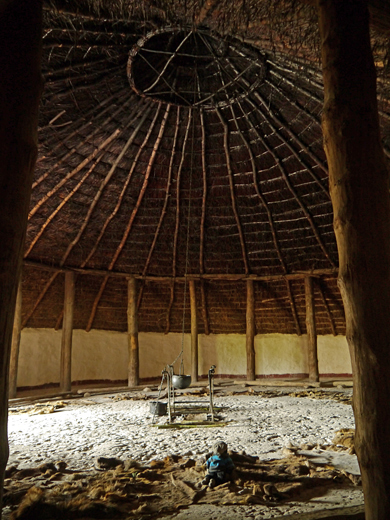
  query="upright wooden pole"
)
[
  {"x": 311, "y": 330},
  {"x": 16, "y": 332},
  {"x": 194, "y": 334},
  {"x": 67, "y": 334},
  {"x": 20, "y": 92},
  {"x": 359, "y": 188},
  {"x": 132, "y": 325},
  {"x": 250, "y": 332}
]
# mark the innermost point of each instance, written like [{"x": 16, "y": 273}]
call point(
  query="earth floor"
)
[{"x": 279, "y": 429}]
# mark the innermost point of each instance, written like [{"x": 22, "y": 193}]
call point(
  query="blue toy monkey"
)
[{"x": 219, "y": 466}]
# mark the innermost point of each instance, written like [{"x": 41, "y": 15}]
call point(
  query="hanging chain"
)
[
  {"x": 181, "y": 371},
  {"x": 187, "y": 250},
  {"x": 158, "y": 397}
]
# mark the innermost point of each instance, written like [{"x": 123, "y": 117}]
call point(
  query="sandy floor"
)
[{"x": 263, "y": 424}]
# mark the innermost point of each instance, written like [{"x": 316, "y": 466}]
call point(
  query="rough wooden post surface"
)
[
  {"x": 194, "y": 333},
  {"x": 20, "y": 91},
  {"x": 67, "y": 334},
  {"x": 250, "y": 332},
  {"x": 359, "y": 188},
  {"x": 311, "y": 330},
  {"x": 132, "y": 329},
  {"x": 16, "y": 332}
]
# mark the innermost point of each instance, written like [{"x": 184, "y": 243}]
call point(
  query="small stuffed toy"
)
[{"x": 219, "y": 466}]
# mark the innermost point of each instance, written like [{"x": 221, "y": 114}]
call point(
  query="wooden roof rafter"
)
[
  {"x": 232, "y": 194},
  {"x": 49, "y": 219},
  {"x": 167, "y": 193},
  {"x": 164, "y": 208},
  {"x": 285, "y": 176},
  {"x": 257, "y": 189},
  {"x": 91, "y": 208},
  {"x": 135, "y": 209},
  {"x": 73, "y": 150},
  {"x": 79, "y": 126},
  {"x": 178, "y": 185},
  {"x": 295, "y": 139},
  {"x": 108, "y": 177}
]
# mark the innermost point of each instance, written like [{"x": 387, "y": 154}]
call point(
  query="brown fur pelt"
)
[{"x": 37, "y": 506}]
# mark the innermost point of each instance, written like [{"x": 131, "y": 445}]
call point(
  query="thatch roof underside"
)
[{"x": 169, "y": 150}]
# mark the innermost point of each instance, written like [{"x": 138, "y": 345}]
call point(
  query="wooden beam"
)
[
  {"x": 250, "y": 332},
  {"x": 181, "y": 279},
  {"x": 67, "y": 334},
  {"x": 20, "y": 92},
  {"x": 359, "y": 188},
  {"x": 17, "y": 329},
  {"x": 132, "y": 331},
  {"x": 311, "y": 330},
  {"x": 194, "y": 333}
]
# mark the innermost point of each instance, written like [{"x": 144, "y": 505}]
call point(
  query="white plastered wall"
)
[
  {"x": 281, "y": 354},
  {"x": 333, "y": 355},
  {"x": 102, "y": 355}
]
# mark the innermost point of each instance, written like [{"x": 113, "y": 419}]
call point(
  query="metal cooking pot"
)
[
  {"x": 181, "y": 381},
  {"x": 158, "y": 408}
]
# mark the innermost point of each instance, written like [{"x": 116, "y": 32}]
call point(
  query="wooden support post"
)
[
  {"x": 311, "y": 330},
  {"x": 132, "y": 331},
  {"x": 67, "y": 334},
  {"x": 17, "y": 329},
  {"x": 250, "y": 332},
  {"x": 194, "y": 334},
  {"x": 359, "y": 188},
  {"x": 20, "y": 92}
]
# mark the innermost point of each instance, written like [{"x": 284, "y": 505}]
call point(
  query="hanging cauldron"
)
[
  {"x": 181, "y": 381},
  {"x": 158, "y": 408}
]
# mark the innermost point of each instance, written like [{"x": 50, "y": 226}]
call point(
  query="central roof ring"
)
[{"x": 194, "y": 67}]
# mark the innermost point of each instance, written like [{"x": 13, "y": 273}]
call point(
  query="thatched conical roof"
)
[{"x": 177, "y": 144}]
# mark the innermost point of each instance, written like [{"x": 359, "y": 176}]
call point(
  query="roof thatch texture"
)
[{"x": 183, "y": 139}]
